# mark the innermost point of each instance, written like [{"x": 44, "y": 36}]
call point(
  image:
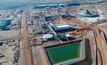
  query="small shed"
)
[{"x": 65, "y": 37}]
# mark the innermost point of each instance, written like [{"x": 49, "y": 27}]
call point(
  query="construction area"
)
[{"x": 54, "y": 35}]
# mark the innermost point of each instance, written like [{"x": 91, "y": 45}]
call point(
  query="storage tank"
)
[{"x": 47, "y": 37}]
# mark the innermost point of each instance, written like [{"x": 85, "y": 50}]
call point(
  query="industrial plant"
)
[{"x": 54, "y": 33}]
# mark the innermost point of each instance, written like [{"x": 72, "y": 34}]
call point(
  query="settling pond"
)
[{"x": 58, "y": 54}]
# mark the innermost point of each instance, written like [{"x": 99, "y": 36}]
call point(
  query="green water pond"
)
[{"x": 62, "y": 53}]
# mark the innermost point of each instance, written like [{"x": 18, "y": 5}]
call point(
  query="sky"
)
[
  {"x": 9, "y": 3},
  {"x": 37, "y": 1},
  {"x": 14, "y": 1}
]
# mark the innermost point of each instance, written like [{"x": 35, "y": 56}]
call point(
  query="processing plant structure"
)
[{"x": 54, "y": 34}]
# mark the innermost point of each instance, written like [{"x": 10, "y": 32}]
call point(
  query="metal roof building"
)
[{"x": 62, "y": 27}]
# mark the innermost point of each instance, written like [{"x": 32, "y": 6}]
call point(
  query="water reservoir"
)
[
  {"x": 66, "y": 54},
  {"x": 5, "y": 23}
]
